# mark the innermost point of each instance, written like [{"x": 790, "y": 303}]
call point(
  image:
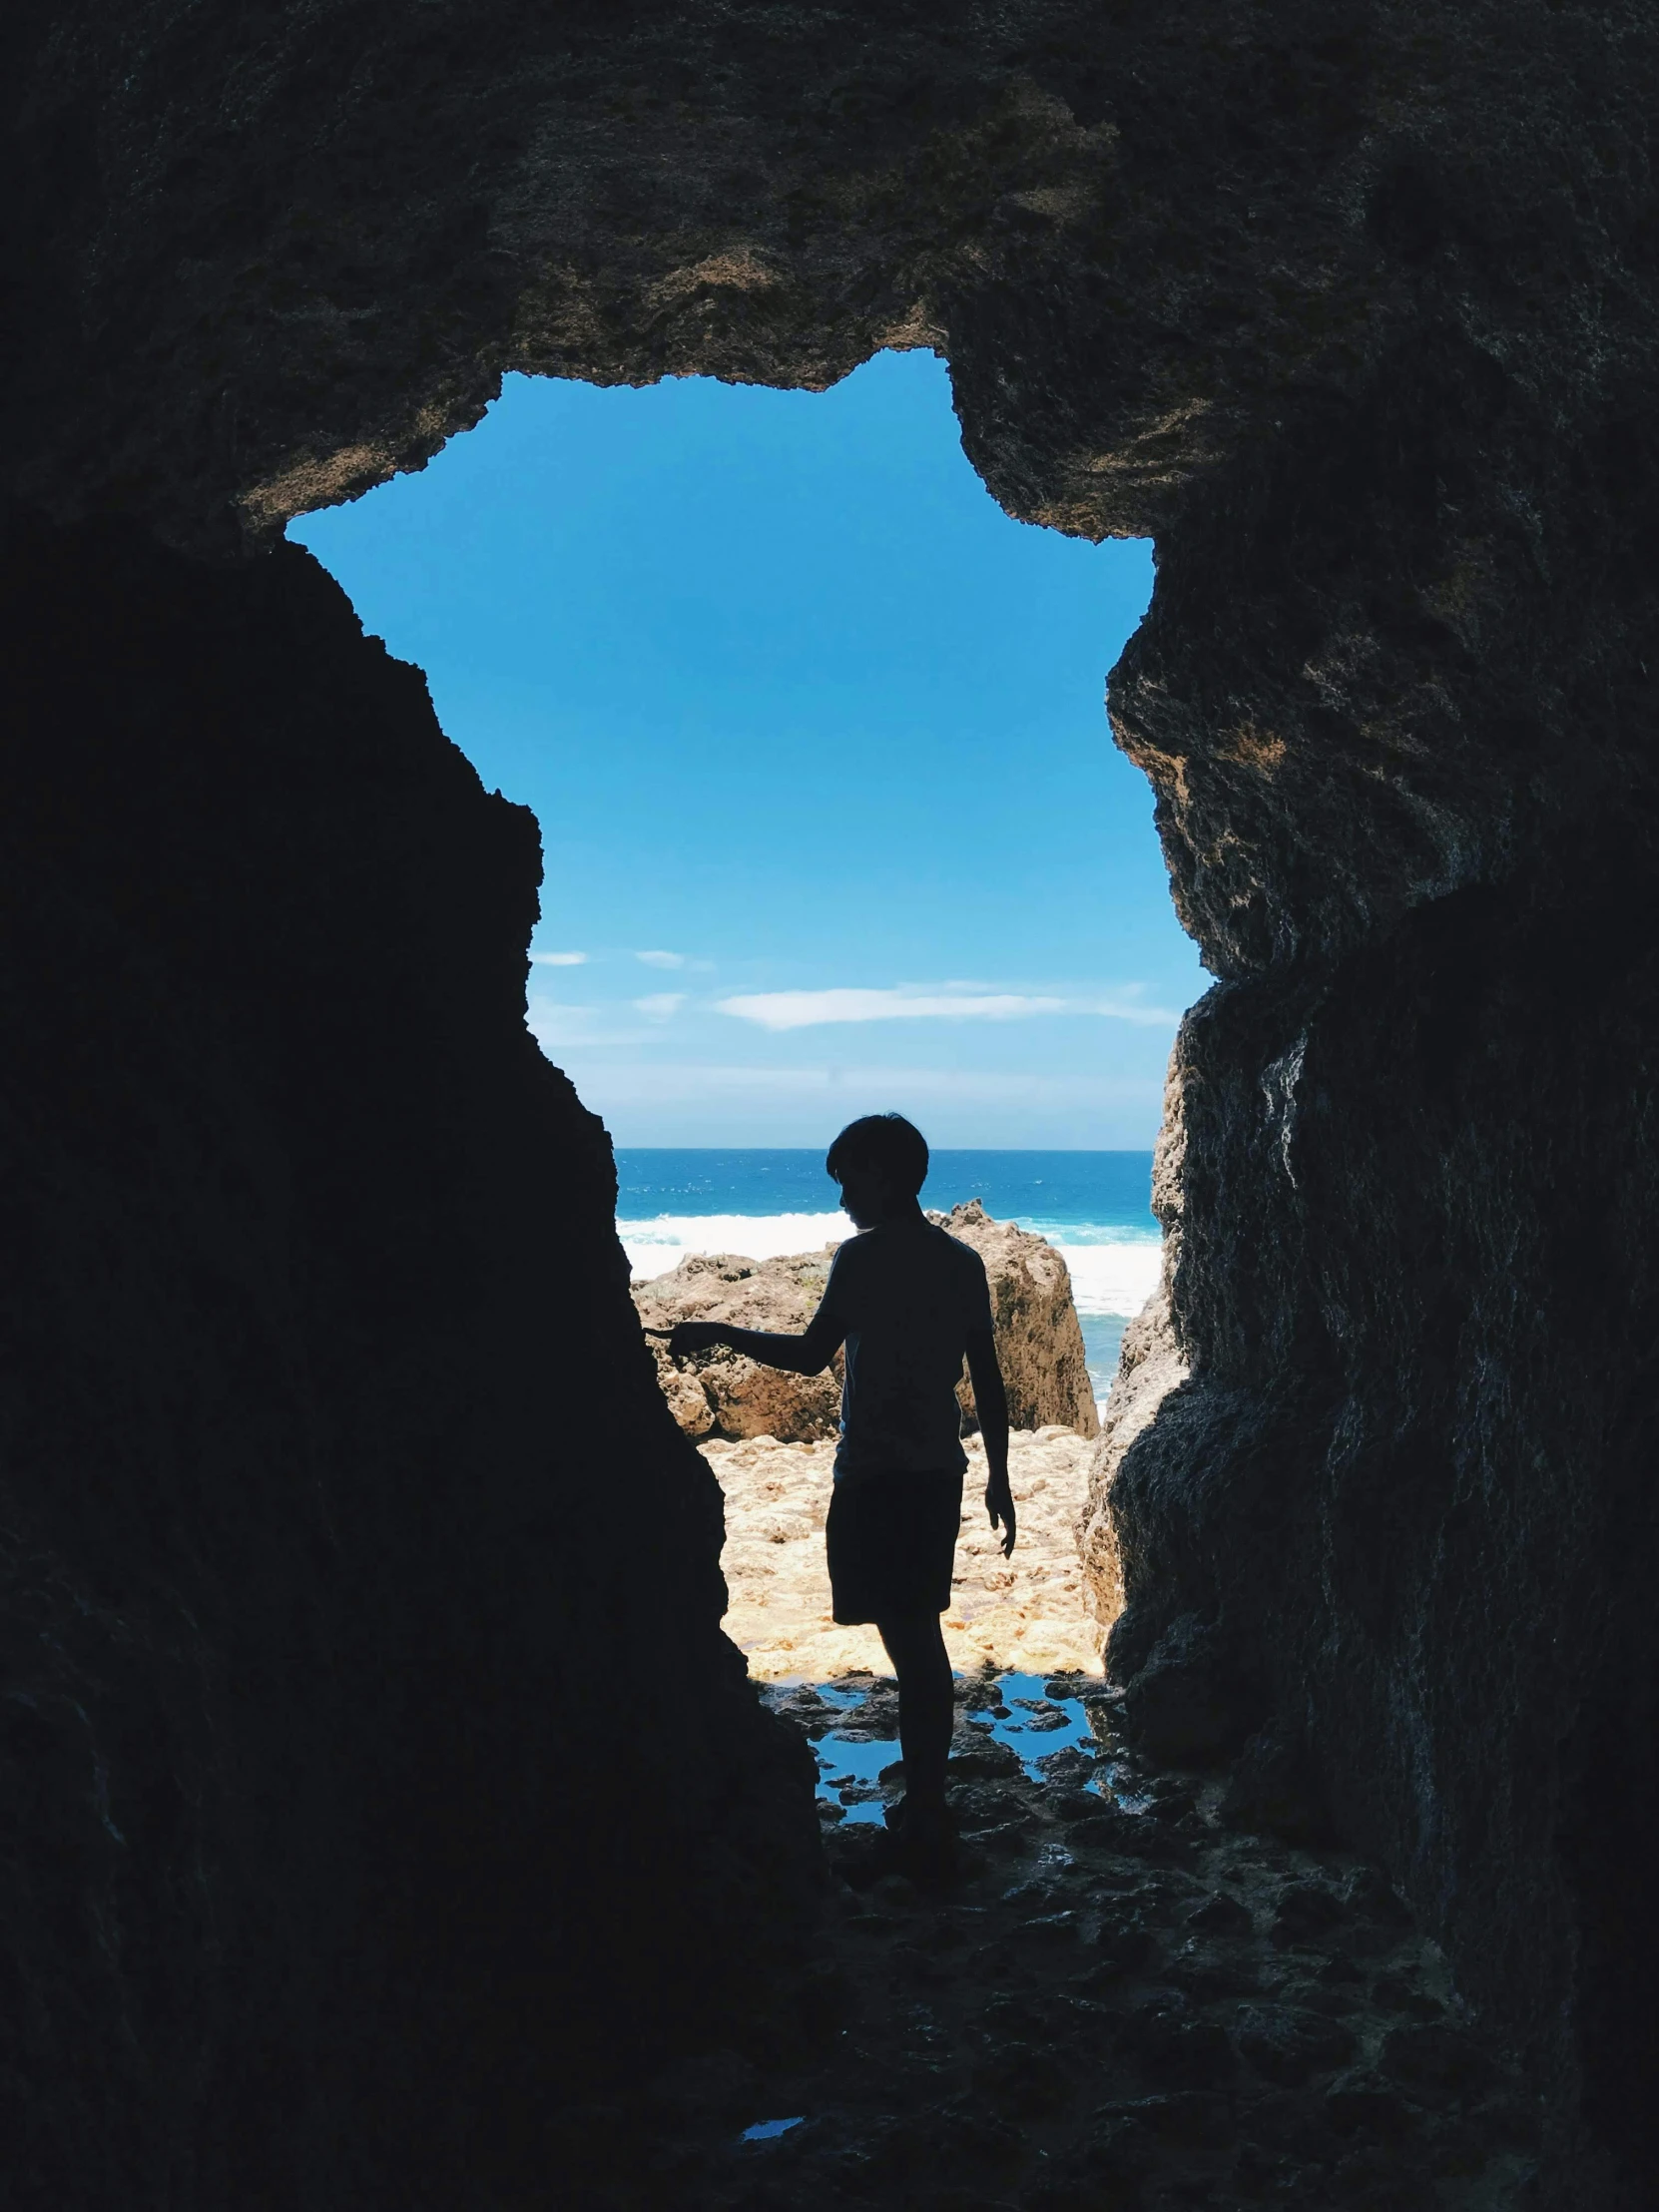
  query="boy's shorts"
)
[{"x": 891, "y": 1541}]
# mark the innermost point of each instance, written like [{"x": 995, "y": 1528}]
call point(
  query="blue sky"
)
[{"x": 816, "y": 734}]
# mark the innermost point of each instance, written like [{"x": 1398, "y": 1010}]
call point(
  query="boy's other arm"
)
[
  {"x": 991, "y": 1400},
  {"x": 809, "y": 1354}
]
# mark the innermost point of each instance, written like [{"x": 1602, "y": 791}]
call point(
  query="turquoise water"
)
[
  {"x": 1034, "y": 1725},
  {"x": 1080, "y": 1195}
]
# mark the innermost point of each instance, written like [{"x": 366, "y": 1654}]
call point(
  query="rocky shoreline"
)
[
  {"x": 1151, "y": 1988},
  {"x": 1129, "y": 2004},
  {"x": 768, "y": 1437},
  {"x": 720, "y": 1393}
]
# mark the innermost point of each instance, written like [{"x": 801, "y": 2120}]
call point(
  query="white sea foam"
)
[
  {"x": 1113, "y": 1278},
  {"x": 1107, "y": 1278},
  {"x": 656, "y": 1247}
]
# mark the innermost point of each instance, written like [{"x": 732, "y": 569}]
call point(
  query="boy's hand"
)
[
  {"x": 691, "y": 1336},
  {"x": 999, "y": 1503}
]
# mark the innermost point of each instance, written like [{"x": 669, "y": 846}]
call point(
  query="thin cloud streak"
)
[
  {"x": 559, "y": 960},
  {"x": 659, "y": 1005},
  {"x": 777, "y": 1010},
  {"x": 855, "y": 1090},
  {"x": 662, "y": 959},
  {"x": 679, "y": 1102},
  {"x": 561, "y": 1028}
]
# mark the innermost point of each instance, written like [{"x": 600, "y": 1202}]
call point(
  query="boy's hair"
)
[{"x": 894, "y": 1147}]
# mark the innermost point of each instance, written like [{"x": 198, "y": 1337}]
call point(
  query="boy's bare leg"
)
[{"x": 926, "y": 1709}]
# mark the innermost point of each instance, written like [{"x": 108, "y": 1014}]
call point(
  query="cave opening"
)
[
  {"x": 781, "y": 783},
  {"x": 831, "y": 821},
  {"x": 327, "y": 1884},
  {"x": 829, "y": 807},
  {"x": 814, "y": 735}
]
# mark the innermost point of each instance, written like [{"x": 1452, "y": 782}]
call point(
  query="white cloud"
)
[
  {"x": 811, "y": 1009},
  {"x": 679, "y": 1103},
  {"x": 1125, "y": 1008},
  {"x": 662, "y": 959},
  {"x": 558, "y": 1026},
  {"x": 552, "y": 1022},
  {"x": 559, "y": 960},
  {"x": 659, "y": 1005},
  {"x": 859, "y": 1090}
]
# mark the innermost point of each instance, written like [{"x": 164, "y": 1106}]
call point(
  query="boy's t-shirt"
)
[{"x": 906, "y": 1295}]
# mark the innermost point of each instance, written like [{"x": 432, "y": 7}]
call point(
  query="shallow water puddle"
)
[
  {"x": 861, "y": 1740},
  {"x": 1035, "y": 1725},
  {"x": 768, "y": 2131},
  {"x": 850, "y": 1764},
  {"x": 849, "y": 1775},
  {"x": 1118, "y": 1999}
]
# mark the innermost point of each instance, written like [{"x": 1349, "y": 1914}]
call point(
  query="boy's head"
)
[{"x": 880, "y": 1163}]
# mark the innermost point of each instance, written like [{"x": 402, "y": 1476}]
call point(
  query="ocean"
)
[{"x": 1093, "y": 1205}]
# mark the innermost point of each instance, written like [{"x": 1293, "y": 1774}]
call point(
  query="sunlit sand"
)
[{"x": 1028, "y": 1612}]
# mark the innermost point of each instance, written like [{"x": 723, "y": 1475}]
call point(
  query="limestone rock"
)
[
  {"x": 1027, "y": 1612},
  {"x": 1178, "y": 1709},
  {"x": 721, "y": 1393},
  {"x": 1150, "y": 1366},
  {"x": 1039, "y": 1341}
]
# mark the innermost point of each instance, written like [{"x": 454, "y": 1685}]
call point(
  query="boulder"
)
[
  {"x": 1039, "y": 1341},
  {"x": 1150, "y": 1366},
  {"x": 721, "y": 1393}
]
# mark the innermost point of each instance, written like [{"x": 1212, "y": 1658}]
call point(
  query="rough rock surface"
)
[
  {"x": 1125, "y": 2004},
  {"x": 1355, "y": 307},
  {"x": 720, "y": 1393},
  {"x": 1150, "y": 1366},
  {"x": 1027, "y": 1612},
  {"x": 1039, "y": 1341},
  {"x": 305, "y": 1571}
]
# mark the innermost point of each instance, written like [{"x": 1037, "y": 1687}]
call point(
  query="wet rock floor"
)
[{"x": 1119, "y": 2003}]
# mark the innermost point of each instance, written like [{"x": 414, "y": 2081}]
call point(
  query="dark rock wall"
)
[
  {"x": 344, "y": 1821},
  {"x": 1353, "y": 307},
  {"x": 1409, "y": 1484},
  {"x": 1394, "y": 695}
]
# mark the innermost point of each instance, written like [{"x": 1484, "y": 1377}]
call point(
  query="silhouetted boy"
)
[{"x": 908, "y": 1301}]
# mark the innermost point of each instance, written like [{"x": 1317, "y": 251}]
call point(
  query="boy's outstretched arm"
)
[
  {"x": 809, "y": 1354},
  {"x": 991, "y": 1401}
]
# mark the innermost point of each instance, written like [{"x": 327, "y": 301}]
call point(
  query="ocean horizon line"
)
[{"x": 937, "y": 1151}]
